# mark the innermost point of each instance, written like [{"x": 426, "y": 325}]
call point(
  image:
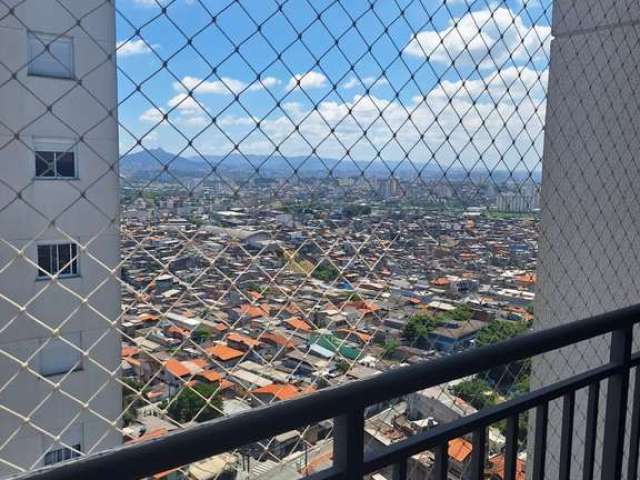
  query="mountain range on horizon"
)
[{"x": 150, "y": 163}]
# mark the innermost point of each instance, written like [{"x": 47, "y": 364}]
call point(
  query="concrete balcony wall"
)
[{"x": 590, "y": 236}]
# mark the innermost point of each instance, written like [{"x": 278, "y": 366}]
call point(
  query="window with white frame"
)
[
  {"x": 57, "y": 259},
  {"x": 50, "y": 55},
  {"x": 69, "y": 447},
  {"x": 55, "y": 159},
  {"x": 58, "y": 356}
]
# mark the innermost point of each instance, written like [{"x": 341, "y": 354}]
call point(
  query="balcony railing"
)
[{"x": 346, "y": 405}]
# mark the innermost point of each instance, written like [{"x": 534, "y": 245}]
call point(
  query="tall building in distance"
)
[
  {"x": 59, "y": 231},
  {"x": 525, "y": 200}
]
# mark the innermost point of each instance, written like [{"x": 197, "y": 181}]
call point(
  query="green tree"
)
[
  {"x": 476, "y": 392},
  {"x": 190, "y": 404},
  {"x": 342, "y": 365},
  {"x": 512, "y": 376},
  {"x": 132, "y": 398},
  {"x": 326, "y": 272},
  {"x": 499, "y": 331},
  {"x": 390, "y": 346},
  {"x": 419, "y": 326},
  {"x": 460, "y": 314},
  {"x": 200, "y": 335}
]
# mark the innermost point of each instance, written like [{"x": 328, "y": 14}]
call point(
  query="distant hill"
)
[{"x": 151, "y": 163}]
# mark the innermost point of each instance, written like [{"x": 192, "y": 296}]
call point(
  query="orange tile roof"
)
[
  {"x": 527, "y": 278},
  {"x": 441, "y": 282},
  {"x": 459, "y": 449},
  {"x": 153, "y": 434},
  {"x": 210, "y": 375},
  {"x": 293, "y": 309},
  {"x": 182, "y": 332},
  {"x": 200, "y": 362},
  {"x": 220, "y": 327},
  {"x": 298, "y": 324},
  {"x": 497, "y": 466},
  {"x": 148, "y": 317},
  {"x": 223, "y": 352},
  {"x": 129, "y": 351},
  {"x": 252, "y": 311},
  {"x": 134, "y": 362},
  {"x": 254, "y": 295},
  {"x": 280, "y": 340},
  {"x": 239, "y": 338},
  {"x": 364, "y": 337},
  {"x": 166, "y": 473},
  {"x": 175, "y": 368},
  {"x": 280, "y": 391},
  {"x": 225, "y": 384},
  {"x": 317, "y": 463},
  {"x": 363, "y": 305}
]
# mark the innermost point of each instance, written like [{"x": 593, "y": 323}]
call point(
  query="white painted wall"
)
[{"x": 590, "y": 203}]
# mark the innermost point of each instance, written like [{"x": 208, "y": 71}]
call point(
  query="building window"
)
[
  {"x": 50, "y": 56},
  {"x": 62, "y": 454},
  {"x": 56, "y": 164},
  {"x": 58, "y": 259},
  {"x": 57, "y": 357}
]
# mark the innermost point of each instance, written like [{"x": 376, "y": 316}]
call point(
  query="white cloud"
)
[
  {"x": 132, "y": 47},
  {"x": 184, "y": 102},
  {"x": 485, "y": 37},
  {"x": 268, "y": 82},
  {"x": 183, "y": 111},
  {"x": 307, "y": 80},
  {"x": 498, "y": 118},
  {"x": 354, "y": 82},
  {"x": 152, "y": 115},
  {"x": 224, "y": 86}
]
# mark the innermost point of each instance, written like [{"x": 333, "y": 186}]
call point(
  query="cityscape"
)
[{"x": 291, "y": 293}]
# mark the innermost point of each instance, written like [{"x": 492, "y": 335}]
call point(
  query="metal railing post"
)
[
  {"x": 616, "y": 406},
  {"x": 348, "y": 444}
]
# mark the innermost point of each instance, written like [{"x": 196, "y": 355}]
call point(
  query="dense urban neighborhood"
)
[{"x": 235, "y": 299}]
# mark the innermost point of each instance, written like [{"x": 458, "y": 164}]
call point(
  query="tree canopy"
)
[
  {"x": 189, "y": 405},
  {"x": 499, "y": 331}
]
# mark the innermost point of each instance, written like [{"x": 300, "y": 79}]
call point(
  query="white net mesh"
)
[{"x": 206, "y": 206}]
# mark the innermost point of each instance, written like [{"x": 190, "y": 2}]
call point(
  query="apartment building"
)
[{"x": 59, "y": 232}]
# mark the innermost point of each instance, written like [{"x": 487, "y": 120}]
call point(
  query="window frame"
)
[
  {"x": 69, "y": 456},
  {"x": 47, "y": 39},
  {"x": 58, "y": 147},
  {"x": 44, "y": 274}
]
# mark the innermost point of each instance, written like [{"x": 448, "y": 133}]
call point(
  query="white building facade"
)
[{"x": 59, "y": 232}]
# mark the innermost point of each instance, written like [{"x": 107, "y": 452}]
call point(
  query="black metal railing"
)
[{"x": 346, "y": 404}]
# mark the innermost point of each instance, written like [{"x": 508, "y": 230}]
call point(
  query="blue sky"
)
[{"x": 443, "y": 80}]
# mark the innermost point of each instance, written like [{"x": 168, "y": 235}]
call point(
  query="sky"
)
[{"x": 458, "y": 82}]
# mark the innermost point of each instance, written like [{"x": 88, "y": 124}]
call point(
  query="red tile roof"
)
[
  {"x": 223, "y": 352},
  {"x": 239, "y": 338},
  {"x": 153, "y": 434},
  {"x": 210, "y": 375},
  {"x": 441, "y": 282},
  {"x": 279, "y": 391},
  {"x": 251, "y": 311},
  {"x": 496, "y": 467},
  {"x": 175, "y": 368},
  {"x": 298, "y": 324},
  {"x": 130, "y": 351},
  {"x": 279, "y": 340},
  {"x": 459, "y": 449}
]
